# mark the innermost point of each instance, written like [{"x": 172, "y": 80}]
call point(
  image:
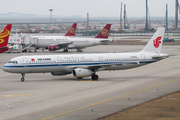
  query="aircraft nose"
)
[{"x": 6, "y": 68}]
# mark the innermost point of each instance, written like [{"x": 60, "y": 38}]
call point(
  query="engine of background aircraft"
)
[{"x": 53, "y": 47}]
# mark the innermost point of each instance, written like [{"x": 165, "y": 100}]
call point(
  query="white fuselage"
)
[
  {"x": 74, "y": 42},
  {"x": 85, "y": 65},
  {"x": 66, "y": 63}
]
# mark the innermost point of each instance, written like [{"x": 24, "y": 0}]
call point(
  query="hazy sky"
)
[{"x": 95, "y": 8}]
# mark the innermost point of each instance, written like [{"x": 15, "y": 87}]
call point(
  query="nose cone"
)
[{"x": 6, "y": 68}]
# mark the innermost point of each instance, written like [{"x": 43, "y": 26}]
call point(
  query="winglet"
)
[
  {"x": 4, "y": 35},
  {"x": 72, "y": 30},
  {"x": 104, "y": 32},
  {"x": 155, "y": 43}
]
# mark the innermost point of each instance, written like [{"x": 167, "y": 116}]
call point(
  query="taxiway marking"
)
[
  {"x": 110, "y": 99},
  {"x": 24, "y": 95}
]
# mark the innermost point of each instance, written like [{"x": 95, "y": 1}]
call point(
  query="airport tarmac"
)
[{"x": 47, "y": 97}]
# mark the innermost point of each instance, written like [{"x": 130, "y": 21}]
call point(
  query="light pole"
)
[{"x": 50, "y": 17}]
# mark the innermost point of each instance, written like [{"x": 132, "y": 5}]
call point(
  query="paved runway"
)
[{"x": 47, "y": 97}]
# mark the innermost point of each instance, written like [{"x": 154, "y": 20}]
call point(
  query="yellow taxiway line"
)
[{"x": 109, "y": 99}]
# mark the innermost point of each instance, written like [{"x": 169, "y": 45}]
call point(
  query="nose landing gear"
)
[{"x": 22, "y": 79}]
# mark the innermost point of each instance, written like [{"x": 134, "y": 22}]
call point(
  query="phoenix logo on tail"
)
[
  {"x": 72, "y": 30},
  {"x": 4, "y": 37},
  {"x": 1, "y": 41},
  {"x": 105, "y": 32},
  {"x": 4, "y": 34},
  {"x": 157, "y": 42}
]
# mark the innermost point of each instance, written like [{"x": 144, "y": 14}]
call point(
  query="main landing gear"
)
[
  {"x": 94, "y": 77},
  {"x": 22, "y": 79},
  {"x": 79, "y": 50},
  {"x": 65, "y": 50}
]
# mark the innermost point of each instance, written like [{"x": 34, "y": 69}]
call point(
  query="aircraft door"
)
[
  {"x": 59, "y": 61},
  {"x": 143, "y": 58},
  {"x": 34, "y": 41},
  {"x": 100, "y": 60},
  {"x": 25, "y": 62}
]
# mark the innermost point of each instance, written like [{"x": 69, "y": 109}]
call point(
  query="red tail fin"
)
[
  {"x": 72, "y": 30},
  {"x": 4, "y": 35},
  {"x": 104, "y": 32}
]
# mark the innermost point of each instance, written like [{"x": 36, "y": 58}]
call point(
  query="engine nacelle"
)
[
  {"x": 53, "y": 47},
  {"x": 79, "y": 72},
  {"x": 60, "y": 73}
]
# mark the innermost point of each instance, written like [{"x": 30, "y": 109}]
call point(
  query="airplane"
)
[
  {"x": 47, "y": 39},
  {"x": 4, "y": 37},
  {"x": 65, "y": 42},
  {"x": 86, "y": 65}
]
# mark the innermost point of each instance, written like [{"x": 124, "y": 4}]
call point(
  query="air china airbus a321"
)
[
  {"x": 64, "y": 42},
  {"x": 85, "y": 65},
  {"x": 4, "y": 37}
]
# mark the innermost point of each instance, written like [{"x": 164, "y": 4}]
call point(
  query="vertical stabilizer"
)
[
  {"x": 155, "y": 43},
  {"x": 4, "y": 35},
  {"x": 104, "y": 32},
  {"x": 72, "y": 30}
]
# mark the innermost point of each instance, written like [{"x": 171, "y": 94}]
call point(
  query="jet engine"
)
[
  {"x": 60, "y": 73},
  {"x": 53, "y": 47},
  {"x": 79, "y": 72}
]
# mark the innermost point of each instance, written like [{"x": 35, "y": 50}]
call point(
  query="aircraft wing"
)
[
  {"x": 64, "y": 44},
  {"x": 99, "y": 67}
]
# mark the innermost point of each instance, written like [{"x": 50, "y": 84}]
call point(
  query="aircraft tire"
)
[
  {"x": 94, "y": 77},
  {"x": 22, "y": 79},
  {"x": 65, "y": 50}
]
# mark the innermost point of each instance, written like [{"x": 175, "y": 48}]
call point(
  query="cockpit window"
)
[{"x": 14, "y": 62}]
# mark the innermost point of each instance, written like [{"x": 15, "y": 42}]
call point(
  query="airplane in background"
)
[
  {"x": 4, "y": 37},
  {"x": 85, "y": 65},
  {"x": 48, "y": 39},
  {"x": 65, "y": 42},
  {"x": 72, "y": 30}
]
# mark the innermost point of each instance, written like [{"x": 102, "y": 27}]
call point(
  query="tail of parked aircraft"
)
[
  {"x": 104, "y": 32},
  {"x": 155, "y": 43},
  {"x": 72, "y": 30},
  {"x": 4, "y": 35}
]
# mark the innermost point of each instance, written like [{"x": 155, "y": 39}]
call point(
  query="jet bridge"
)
[{"x": 29, "y": 41}]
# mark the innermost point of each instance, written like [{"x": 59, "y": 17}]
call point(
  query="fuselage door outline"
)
[
  {"x": 59, "y": 61},
  {"x": 25, "y": 62}
]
